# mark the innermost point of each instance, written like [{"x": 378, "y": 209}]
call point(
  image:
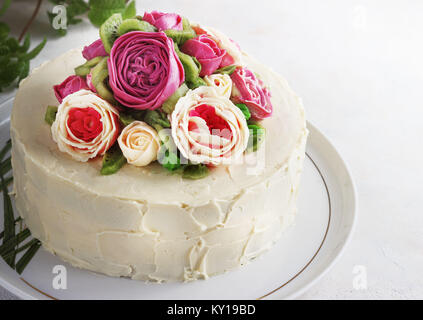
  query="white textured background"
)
[{"x": 359, "y": 67}]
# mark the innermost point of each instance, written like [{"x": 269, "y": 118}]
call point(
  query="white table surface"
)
[{"x": 358, "y": 65}]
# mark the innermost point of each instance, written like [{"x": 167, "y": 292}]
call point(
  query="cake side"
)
[{"x": 145, "y": 224}]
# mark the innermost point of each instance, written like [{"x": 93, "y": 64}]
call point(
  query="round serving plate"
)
[{"x": 304, "y": 253}]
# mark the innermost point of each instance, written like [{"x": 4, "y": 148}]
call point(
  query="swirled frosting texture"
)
[{"x": 144, "y": 69}]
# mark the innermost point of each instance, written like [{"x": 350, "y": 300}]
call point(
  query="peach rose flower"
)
[{"x": 139, "y": 143}]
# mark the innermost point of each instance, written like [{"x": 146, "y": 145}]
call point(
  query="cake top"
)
[{"x": 158, "y": 102}]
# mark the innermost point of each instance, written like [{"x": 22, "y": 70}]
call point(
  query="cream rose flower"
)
[
  {"x": 86, "y": 126},
  {"x": 139, "y": 143},
  {"x": 208, "y": 128},
  {"x": 221, "y": 82}
]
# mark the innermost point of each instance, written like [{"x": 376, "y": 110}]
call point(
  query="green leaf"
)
[
  {"x": 50, "y": 116},
  {"x": 76, "y": 8},
  {"x": 15, "y": 240},
  {"x": 170, "y": 103},
  {"x": 9, "y": 222},
  {"x": 130, "y": 11},
  {"x": 126, "y": 119},
  {"x": 34, "y": 52},
  {"x": 195, "y": 172},
  {"x": 5, "y": 6},
  {"x": 168, "y": 159},
  {"x": 180, "y": 36},
  {"x": 6, "y": 166},
  {"x": 99, "y": 16},
  {"x": 4, "y": 31},
  {"x": 245, "y": 111},
  {"x": 107, "y": 4},
  {"x": 113, "y": 160},
  {"x": 24, "y": 72},
  {"x": 101, "y": 10},
  {"x": 16, "y": 221},
  {"x": 27, "y": 257},
  {"x": 5, "y": 149},
  {"x": 257, "y": 136},
  {"x": 27, "y": 43},
  {"x": 157, "y": 119},
  {"x": 226, "y": 70}
]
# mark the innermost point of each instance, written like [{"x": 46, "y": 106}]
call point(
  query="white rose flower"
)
[
  {"x": 86, "y": 126},
  {"x": 208, "y": 128},
  {"x": 221, "y": 82},
  {"x": 139, "y": 143}
]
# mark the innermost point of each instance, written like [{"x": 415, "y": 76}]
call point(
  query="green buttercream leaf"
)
[
  {"x": 226, "y": 70},
  {"x": 195, "y": 172},
  {"x": 180, "y": 36},
  {"x": 85, "y": 68},
  {"x": 170, "y": 103},
  {"x": 126, "y": 119},
  {"x": 113, "y": 160},
  {"x": 50, "y": 116},
  {"x": 157, "y": 119},
  {"x": 257, "y": 136},
  {"x": 244, "y": 110}
]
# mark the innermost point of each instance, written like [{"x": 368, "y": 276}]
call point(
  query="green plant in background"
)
[
  {"x": 98, "y": 11},
  {"x": 15, "y": 55},
  {"x": 14, "y": 237}
]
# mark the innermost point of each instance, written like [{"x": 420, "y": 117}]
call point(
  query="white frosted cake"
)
[{"x": 147, "y": 221}]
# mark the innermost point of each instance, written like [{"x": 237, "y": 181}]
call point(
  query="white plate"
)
[{"x": 326, "y": 216}]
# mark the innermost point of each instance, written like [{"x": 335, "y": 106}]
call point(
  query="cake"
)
[{"x": 88, "y": 180}]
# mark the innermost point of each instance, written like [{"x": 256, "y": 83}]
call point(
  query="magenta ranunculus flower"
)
[
  {"x": 95, "y": 49},
  {"x": 70, "y": 85},
  {"x": 144, "y": 69},
  {"x": 207, "y": 53},
  {"x": 164, "y": 21},
  {"x": 248, "y": 89}
]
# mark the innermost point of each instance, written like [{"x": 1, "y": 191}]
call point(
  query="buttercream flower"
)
[
  {"x": 139, "y": 143},
  {"x": 248, "y": 89},
  {"x": 208, "y": 128},
  {"x": 86, "y": 126},
  {"x": 164, "y": 21},
  {"x": 70, "y": 85},
  {"x": 144, "y": 69},
  {"x": 233, "y": 53},
  {"x": 206, "y": 51},
  {"x": 221, "y": 82},
  {"x": 89, "y": 79},
  {"x": 95, "y": 49}
]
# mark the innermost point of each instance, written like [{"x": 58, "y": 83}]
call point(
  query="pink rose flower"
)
[
  {"x": 207, "y": 53},
  {"x": 144, "y": 69},
  {"x": 70, "y": 85},
  {"x": 248, "y": 89},
  {"x": 96, "y": 49},
  {"x": 164, "y": 21}
]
